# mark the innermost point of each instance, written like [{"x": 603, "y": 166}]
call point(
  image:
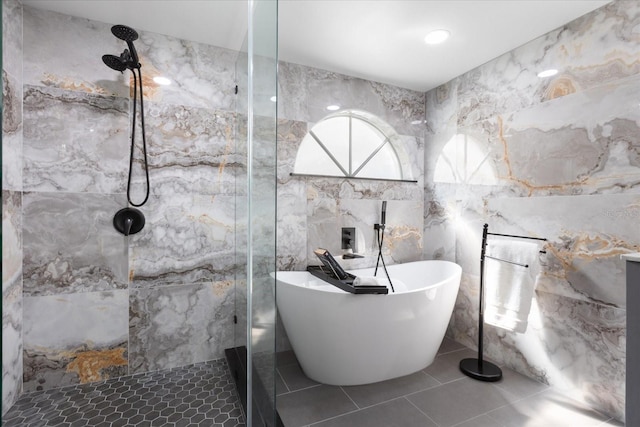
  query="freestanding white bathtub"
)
[{"x": 345, "y": 339}]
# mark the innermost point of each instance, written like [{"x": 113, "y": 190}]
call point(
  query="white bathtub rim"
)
[{"x": 327, "y": 287}]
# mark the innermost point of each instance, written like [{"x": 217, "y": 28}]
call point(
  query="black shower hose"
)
[
  {"x": 380, "y": 257},
  {"x": 144, "y": 140}
]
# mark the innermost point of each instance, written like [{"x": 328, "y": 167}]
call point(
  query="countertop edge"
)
[{"x": 635, "y": 257}]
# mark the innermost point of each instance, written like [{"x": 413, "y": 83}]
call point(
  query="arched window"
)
[
  {"x": 464, "y": 160},
  {"x": 353, "y": 144}
]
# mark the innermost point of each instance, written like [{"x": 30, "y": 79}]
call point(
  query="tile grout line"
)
[
  {"x": 283, "y": 381},
  {"x": 301, "y": 389},
  {"x": 420, "y": 410},
  {"x": 347, "y": 394}
]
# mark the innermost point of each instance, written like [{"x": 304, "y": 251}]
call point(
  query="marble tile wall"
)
[
  {"x": 557, "y": 158},
  {"x": 97, "y": 304},
  {"x": 312, "y": 210},
  {"x": 12, "y": 247}
]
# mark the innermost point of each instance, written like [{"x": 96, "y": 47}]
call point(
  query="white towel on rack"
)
[{"x": 509, "y": 288}]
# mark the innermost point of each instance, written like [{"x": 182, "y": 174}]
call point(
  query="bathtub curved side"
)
[{"x": 345, "y": 339}]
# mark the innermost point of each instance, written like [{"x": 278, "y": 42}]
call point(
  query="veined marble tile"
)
[
  {"x": 11, "y": 297},
  {"x": 12, "y": 38},
  {"x": 510, "y": 83},
  {"x": 292, "y": 226},
  {"x": 12, "y": 248},
  {"x": 440, "y": 215},
  {"x": 308, "y": 91},
  {"x": 202, "y": 75},
  {"x": 403, "y": 234},
  {"x": 186, "y": 239},
  {"x": 76, "y": 338},
  {"x": 74, "y": 141},
  {"x": 70, "y": 244},
  {"x": 190, "y": 150},
  {"x": 345, "y": 188},
  {"x": 12, "y": 133},
  {"x": 541, "y": 144},
  {"x": 174, "y": 326},
  {"x": 290, "y": 135},
  {"x": 583, "y": 250},
  {"x": 442, "y": 107},
  {"x": 66, "y": 52},
  {"x": 12, "y": 334},
  {"x": 573, "y": 345}
]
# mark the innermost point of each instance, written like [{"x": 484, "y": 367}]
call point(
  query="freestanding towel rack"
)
[{"x": 478, "y": 368}]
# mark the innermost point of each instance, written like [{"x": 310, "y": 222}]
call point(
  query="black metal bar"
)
[
  {"x": 481, "y": 310},
  {"x": 516, "y": 236},
  {"x": 478, "y": 368},
  {"x": 510, "y": 262}
]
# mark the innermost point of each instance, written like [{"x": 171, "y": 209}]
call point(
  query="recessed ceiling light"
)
[
  {"x": 333, "y": 107},
  {"x": 437, "y": 36},
  {"x": 163, "y": 81},
  {"x": 548, "y": 73},
  {"x": 273, "y": 98}
]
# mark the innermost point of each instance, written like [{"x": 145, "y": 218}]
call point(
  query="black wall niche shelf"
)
[{"x": 346, "y": 284}]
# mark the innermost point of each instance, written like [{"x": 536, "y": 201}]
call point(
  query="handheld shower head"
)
[
  {"x": 114, "y": 62},
  {"x": 383, "y": 215},
  {"x": 129, "y": 58},
  {"x": 125, "y": 33}
]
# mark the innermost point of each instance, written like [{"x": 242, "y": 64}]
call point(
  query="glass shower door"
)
[{"x": 256, "y": 211}]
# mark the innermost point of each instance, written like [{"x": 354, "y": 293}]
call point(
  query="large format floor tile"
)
[
  {"x": 313, "y": 404},
  {"x": 438, "y": 396},
  {"x": 395, "y": 413},
  {"x": 548, "y": 408},
  {"x": 457, "y": 401}
]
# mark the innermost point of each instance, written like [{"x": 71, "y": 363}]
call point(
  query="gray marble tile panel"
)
[
  {"x": 74, "y": 141},
  {"x": 403, "y": 235},
  {"x": 173, "y": 326},
  {"x": 70, "y": 244},
  {"x": 12, "y": 132},
  {"x": 186, "y": 239},
  {"x": 70, "y": 59},
  {"x": 537, "y": 148},
  {"x": 12, "y": 246},
  {"x": 190, "y": 151},
  {"x": 510, "y": 83},
  {"x": 574, "y": 345},
  {"x": 201, "y": 75},
  {"x": 12, "y": 323},
  {"x": 586, "y": 235},
  {"x": 12, "y": 38},
  {"x": 292, "y": 226},
  {"x": 75, "y": 338},
  {"x": 310, "y": 90}
]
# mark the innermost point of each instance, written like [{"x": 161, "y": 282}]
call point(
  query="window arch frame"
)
[{"x": 389, "y": 137}]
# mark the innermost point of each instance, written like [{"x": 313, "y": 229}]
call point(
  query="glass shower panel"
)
[
  {"x": 261, "y": 210},
  {"x": 255, "y": 209}
]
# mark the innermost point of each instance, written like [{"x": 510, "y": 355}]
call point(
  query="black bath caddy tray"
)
[{"x": 346, "y": 284}]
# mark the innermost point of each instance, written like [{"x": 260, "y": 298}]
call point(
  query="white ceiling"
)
[{"x": 379, "y": 40}]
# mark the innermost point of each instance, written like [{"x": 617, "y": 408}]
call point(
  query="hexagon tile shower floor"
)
[{"x": 202, "y": 394}]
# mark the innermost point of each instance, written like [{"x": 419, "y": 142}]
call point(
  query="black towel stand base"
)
[{"x": 480, "y": 370}]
